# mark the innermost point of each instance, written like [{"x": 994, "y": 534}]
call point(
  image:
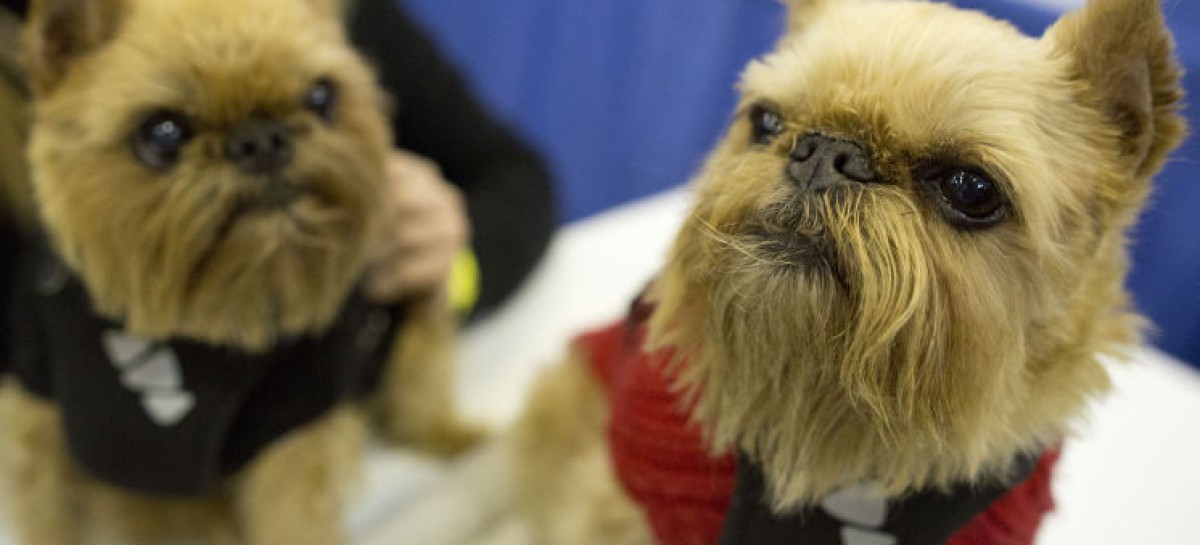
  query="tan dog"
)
[
  {"x": 903, "y": 262},
  {"x": 208, "y": 176}
]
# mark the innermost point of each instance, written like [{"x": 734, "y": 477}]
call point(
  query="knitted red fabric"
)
[
  {"x": 1015, "y": 518},
  {"x": 659, "y": 458},
  {"x": 664, "y": 464}
]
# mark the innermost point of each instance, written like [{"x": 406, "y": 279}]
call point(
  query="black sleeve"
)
[
  {"x": 9, "y": 231},
  {"x": 8, "y": 260},
  {"x": 509, "y": 196},
  {"x": 25, "y": 352},
  {"x": 18, "y": 7}
]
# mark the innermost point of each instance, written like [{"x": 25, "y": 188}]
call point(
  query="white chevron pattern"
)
[
  {"x": 152, "y": 370},
  {"x": 864, "y": 511}
]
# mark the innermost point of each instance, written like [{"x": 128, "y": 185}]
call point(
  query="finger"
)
[
  {"x": 405, "y": 236},
  {"x": 402, "y": 158},
  {"x": 427, "y": 272},
  {"x": 416, "y": 234},
  {"x": 417, "y": 172},
  {"x": 449, "y": 226},
  {"x": 408, "y": 275},
  {"x": 411, "y": 233},
  {"x": 417, "y": 246},
  {"x": 413, "y": 170},
  {"x": 434, "y": 197}
]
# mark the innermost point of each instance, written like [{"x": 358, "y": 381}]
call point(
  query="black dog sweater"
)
[{"x": 174, "y": 418}]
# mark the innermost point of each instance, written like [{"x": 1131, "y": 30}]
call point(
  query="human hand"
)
[{"x": 425, "y": 228}]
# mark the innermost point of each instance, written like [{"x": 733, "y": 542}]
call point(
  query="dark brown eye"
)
[
  {"x": 321, "y": 99},
  {"x": 159, "y": 140},
  {"x": 766, "y": 124},
  {"x": 970, "y": 199}
]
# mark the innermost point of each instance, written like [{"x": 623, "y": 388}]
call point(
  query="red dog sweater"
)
[{"x": 691, "y": 498}]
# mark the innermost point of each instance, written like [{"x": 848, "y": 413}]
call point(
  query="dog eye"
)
[
  {"x": 766, "y": 123},
  {"x": 160, "y": 139},
  {"x": 971, "y": 199},
  {"x": 321, "y": 99}
]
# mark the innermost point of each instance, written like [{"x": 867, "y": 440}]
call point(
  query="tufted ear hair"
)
[
  {"x": 801, "y": 12},
  {"x": 1123, "y": 52},
  {"x": 60, "y": 31}
]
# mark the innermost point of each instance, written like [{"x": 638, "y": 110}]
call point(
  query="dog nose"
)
[
  {"x": 260, "y": 147},
  {"x": 819, "y": 161}
]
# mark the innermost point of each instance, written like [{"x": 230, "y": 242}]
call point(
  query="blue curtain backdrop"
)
[{"x": 625, "y": 97}]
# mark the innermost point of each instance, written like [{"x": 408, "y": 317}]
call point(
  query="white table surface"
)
[{"x": 1132, "y": 476}]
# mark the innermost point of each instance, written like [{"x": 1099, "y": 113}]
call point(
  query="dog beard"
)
[
  {"x": 222, "y": 261},
  {"x": 840, "y": 337}
]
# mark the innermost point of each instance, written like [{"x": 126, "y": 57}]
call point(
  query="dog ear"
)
[
  {"x": 801, "y": 12},
  {"x": 1123, "y": 51},
  {"x": 59, "y": 31}
]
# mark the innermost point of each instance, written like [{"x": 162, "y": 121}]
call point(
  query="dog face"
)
[
  {"x": 211, "y": 169},
  {"x": 909, "y": 247}
]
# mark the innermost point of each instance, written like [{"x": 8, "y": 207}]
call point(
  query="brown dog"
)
[
  {"x": 190, "y": 343},
  {"x": 901, "y": 266}
]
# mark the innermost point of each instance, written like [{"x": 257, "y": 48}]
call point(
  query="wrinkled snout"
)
[
  {"x": 818, "y": 162},
  {"x": 260, "y": 147}
]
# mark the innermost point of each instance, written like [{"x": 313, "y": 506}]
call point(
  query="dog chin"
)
[
  {"x": 789, "y": 249},
  {"x": 795, "y": 237},
  {"x": 276, "y": 270},
  {"x": 286, "y": 213}
]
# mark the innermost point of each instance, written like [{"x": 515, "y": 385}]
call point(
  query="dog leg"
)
[
  {"x": 41, "y": 485},
  {"x": 119, "y": 517},
  {"x": 295, "y": 492},
  {"x": 567, "y": 485},
  {"x": 416, "y": 398}
]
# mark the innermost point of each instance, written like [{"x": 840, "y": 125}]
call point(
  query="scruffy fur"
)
[
  {"x": 910, "y": 353},
  {"x": 241, "y": 61},
  {"x": 175, "y": 254}
]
